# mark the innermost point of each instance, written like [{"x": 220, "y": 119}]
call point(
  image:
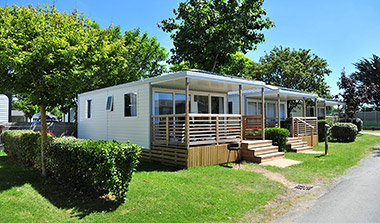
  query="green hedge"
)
[
  {"x": 359, "y": 123},
  {"x": 98, "y": 167},
  {"x": 321, "y": 129},
  {"x": 23, "y": 146},
  {"x": 344, "y": 132},
  {"x": 279, "y": 136}
]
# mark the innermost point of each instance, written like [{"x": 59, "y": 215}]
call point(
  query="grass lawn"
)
[
  {"x": 341, "y": 157},
  {"x": 370, "y": 131},
  {"x": 156, "y": 194},
  {"x": 162, "y": 194}
]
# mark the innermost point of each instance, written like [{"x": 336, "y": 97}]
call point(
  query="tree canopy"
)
[
  {"x": 206, "y": 33},
  {"x": 354, "y": 94},
  {"x": 367, "y": 74},
  {"x": 49, "y": 57}
]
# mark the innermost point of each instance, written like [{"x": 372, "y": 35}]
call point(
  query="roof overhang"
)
[
  {"x": 330, "y": 102},
  {"x": 272, "y": 92}
]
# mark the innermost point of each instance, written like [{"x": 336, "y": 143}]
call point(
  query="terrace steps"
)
[
  {"x": 295, "y": 144},
  {"x": 259, "y": 151}
]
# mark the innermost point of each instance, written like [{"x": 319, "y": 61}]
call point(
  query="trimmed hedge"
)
[
  {"x": 279, "y": 136},
  {"x": 321, "y": 129},
  {"x": 100, "y": 167},
  {"x": 359, "y": 123},
  {"x": 23, "y": 146},
  {"x": 344, "y": 132}
]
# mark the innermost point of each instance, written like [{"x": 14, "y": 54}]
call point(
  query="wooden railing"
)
[
  {"x": 203, "y": 129},
  {"x": 253, "y": 127},
  {"x": 304, "y": 126},
  {"x": 271, "y": 122}
]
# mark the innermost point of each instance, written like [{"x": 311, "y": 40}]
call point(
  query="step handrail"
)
[{"x": 297, "y": 119}]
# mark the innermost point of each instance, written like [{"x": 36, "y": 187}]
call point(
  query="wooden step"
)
[
  {"x": 260, "y": 150},
  {"x": 267, "y": 157},
  {"x": 301, "y": 149},
  {"x": 294, "y": 139},
  {"x": 297, "y": 144},
  {"x": 256, "y": 143}
]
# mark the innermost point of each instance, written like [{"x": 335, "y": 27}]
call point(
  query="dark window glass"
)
[
  {"x": 217, "y": 105},
  {"x": 109, "y": 105},
  {"x": 130, "y": 105},
  {"x": 163, "y": 103},
  {"x": 230, "y": 107},
  {"x": 201, "y": 104},
  {"x": 180, "y": 103},
  {"x": 89, "y": 108}
]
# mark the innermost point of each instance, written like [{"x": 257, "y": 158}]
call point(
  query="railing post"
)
[
  {"x": 292, "y": 126},
  {"x": 217, "y": 130},
  {"x": 187, "y": 118},
  {"x": 262, "y": 114},
  {"x": 312, "y": 137},
  {"x": 297, "y": 132},
  {"x": 305, "y": 132},
  {"x": 167, "y": 131}
]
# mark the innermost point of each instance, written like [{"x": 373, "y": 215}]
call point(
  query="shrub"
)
[
  {"x": 344, "y": 132},
  {"x": 359, "y": 123},
  {"x": 321, "y": 129},
  {"x": 23, "y": 146},
  {"x": 103, "y": 167},
  {"x": 279, "y": 136}
]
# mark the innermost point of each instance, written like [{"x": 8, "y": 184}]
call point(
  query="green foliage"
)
[
  {"x": 25, "y": 105},
  {"x": 101, "y": 167},
  {"x": 279, "y": 136},
  {"x": 344, "y": 132},
  {"x": 359, "y": 123},
  {"x": 206, "y": 33},
  {"x": 23, "y": 146},
  {"x": 322, "y": 129},
  {"x": 295, "y": 69},
  {"x": 94, "y": 166}
]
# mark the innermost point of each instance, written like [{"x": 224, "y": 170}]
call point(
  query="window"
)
[
  {"x": 89, "y": 108},
  {"x": 282, "y": 112},
  {"x": 180, "y": 103},
  {"x": 163, "y": 103},
  {"x": 130, "y": 105},
  {"x": 201, "y": 104},
  {"x": 271, "y": 110},
  {"x": 217, "y": 105},
  {"x": 230, "y": 111},
  {"x": 252, "y": 108},
  {"x": 109, "y": 105}
]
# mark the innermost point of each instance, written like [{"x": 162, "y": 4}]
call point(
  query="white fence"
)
[{"x": 369, "y": 116}]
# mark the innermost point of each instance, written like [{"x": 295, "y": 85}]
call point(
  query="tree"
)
[
  {"x": 354, "y": 94},
  {"x": 25, "y": 105},
  {"x": 295, "y": 69},
  {"x": 368, "y": 73},
  {"x": 41, "y": 54},
  {"x": 206, "y": 33}
]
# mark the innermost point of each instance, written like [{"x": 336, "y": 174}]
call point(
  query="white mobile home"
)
[
  {"x": 124, "y": 112},
  {"x": 4, "y": 108}
]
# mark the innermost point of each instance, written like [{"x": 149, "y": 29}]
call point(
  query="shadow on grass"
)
[
  {"x": 15, "y": 175},
  {"x": 145, "y": 166}
]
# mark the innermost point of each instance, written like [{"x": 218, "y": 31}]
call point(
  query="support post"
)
[
  {"x": 187, "y": 120},
  {"x": 316, "y": 115},
  {"x": 312, "y": 137},
  {"x": 167, "y": 131},
  {"x": 262, "y": 114},
  {"x": 241, "y": 111},
  {"x": 293, "y": 127},
  {"x": 304, "y": 106},
  {"x": 217, "y": 130},
  {"x": 279, "y": 111},
  {"x": 297, "y": 132}
]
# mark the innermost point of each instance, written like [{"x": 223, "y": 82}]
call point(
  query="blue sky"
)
[{"x": 340, "y": 31}]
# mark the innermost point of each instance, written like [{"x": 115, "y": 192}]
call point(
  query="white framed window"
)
[
  {"x": 130, "y": 105},
  {"x": 89, "y": 108},
  {"x": 109, "y": 103}
]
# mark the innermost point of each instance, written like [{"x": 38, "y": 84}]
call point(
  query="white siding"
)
[
  {"x": 4, "y": 108},
  {"x": 112, "y": 125}
]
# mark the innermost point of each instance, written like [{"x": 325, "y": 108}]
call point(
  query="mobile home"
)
[
  {"x": 179, "y": 118},
  {"x": 5, "y": 112}
]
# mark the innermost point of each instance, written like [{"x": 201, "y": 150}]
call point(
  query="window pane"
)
[
  {"x": 252, "y": 108},
  {"x": 130, "y": 105},
  {"x": 201, "y": 104},
  {"x": 259, "y": 108},
  {"x": 109, "y": 105},
  {"x": 217, "y": 105},
  {"x": 180, "y": 103},
  {"x": 282, "y": 113},
  {"x": 88, "y": 108},
  {"x": 271, "y": 112},
  {"x": 230, "y": 110},
  {"x": 163, "y": 103}
]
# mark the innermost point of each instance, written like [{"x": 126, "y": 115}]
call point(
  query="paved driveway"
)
[{"x": 355, "y": 199}]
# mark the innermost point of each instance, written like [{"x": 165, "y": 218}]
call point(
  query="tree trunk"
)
[
  {"x": 215, "y": 61},
  {"x": 43, "y": 137}
]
